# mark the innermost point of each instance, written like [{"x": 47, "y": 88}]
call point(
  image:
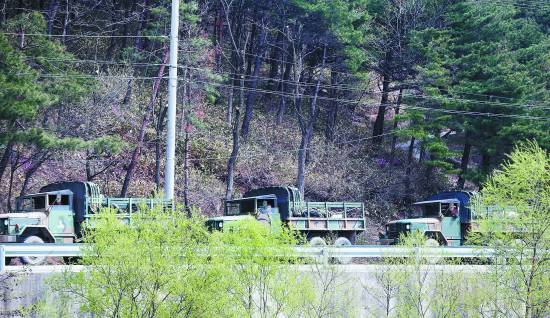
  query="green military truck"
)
[
  {"x": 445, "y": 219},
  {"x": 58, "y": 212},
  {"x": 283, "y": 205}
]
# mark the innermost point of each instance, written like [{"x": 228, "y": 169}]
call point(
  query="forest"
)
[{"x": 380, "y": 101}]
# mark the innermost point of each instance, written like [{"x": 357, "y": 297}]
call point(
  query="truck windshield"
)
[
  {"x": 240, "y": 207},
  {"x": 427, "y": 210},
  {"x": 28, "y": 204},
  {"x": 233, "y": 208}
]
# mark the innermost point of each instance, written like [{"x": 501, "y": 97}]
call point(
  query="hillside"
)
[{"x": 377, "y": 101}]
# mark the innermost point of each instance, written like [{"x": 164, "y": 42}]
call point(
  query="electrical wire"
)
[
  {"x": 349, "y": 88},
  {"x": 344, "y": 101}
]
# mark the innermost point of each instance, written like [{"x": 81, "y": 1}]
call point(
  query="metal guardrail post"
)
[
  {"x": 324, "y": 256},
  {"x": 2, "y": 258}
]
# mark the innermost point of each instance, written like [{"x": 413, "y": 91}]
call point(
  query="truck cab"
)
[
  {"x": 47, "y": 216},
  {"x": 317, "y": 221},
  {"x": 444, "y": 219},
  {"x": 57, "y": 213},
  {"x": 262, "y": 207}
]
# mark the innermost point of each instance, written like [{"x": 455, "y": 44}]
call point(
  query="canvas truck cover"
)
[
  {"x": 463, "y": 198},
  {"x": 285, "y": 198},
  {"x": 80, "y": 190}
]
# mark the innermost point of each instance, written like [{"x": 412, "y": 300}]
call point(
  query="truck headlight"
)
[
  {"x": 220, "y": 224},
  {"x": 408, "y": 226}
]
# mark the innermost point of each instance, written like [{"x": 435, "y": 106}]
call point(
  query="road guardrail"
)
[{"x": 323, "y": 253}]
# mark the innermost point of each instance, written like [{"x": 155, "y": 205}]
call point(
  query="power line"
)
[
  {"x": 88, "y": 35},
  {"x": 345, "y": 101},
  {"x": 255, "y": 155},
  {"x": 310, "y": 84}
]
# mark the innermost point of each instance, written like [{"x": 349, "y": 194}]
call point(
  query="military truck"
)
[
  {"x": 58, "y": 212},
  {"x": 444, "y": 218},
  {"x": 283, "y": 205}
]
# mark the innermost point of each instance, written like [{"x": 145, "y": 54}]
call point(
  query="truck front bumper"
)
[
  {"x": 8, "y": 239},
  {"x": 386, "y": 241}
]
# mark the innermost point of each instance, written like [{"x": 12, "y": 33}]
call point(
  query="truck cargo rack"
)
[{"x": 332, "y": 216}]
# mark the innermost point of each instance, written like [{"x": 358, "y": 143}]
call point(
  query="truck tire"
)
[
  {"x": 33, "y": 260},
  {"x": 342, "y": 241},
  {"x": 317, "y": 241},
  {"x": 431, "y": 242}
]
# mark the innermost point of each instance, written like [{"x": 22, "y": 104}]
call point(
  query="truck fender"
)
[
  {"x": 437, "y": 236},
  {"x": 40, "y": 231}
]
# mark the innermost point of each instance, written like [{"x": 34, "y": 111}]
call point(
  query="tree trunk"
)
[
  {"x": 6, "y": 158},
  {"x": 249, "y": 56},
  {"x": 332, "y": 112},
  {"x": 421, "y": 152},
  {"x": 283, "y": 88},
  {"x": 409, "y": 168},
  {"x": 65, "y": 21},
  {"x": 143, "y": 18},
  {"x": 252, "y": 93},
  {"x": 229, "y": 113},
  {"x": 146, "y": 119},
  {"x": 88, "y": 165},
  {"x": 395, "y": 122},
  {"x": 307, "y": 129},
  {"x": 32, "y": 170},
  {"x": 10, "y": 188},
  {"x": 274, "y": 60},
  {"x": 52, "y": 12},
  {"x": 158, "y": 145},
  {"x": 379, "y": 123},
  {"x": 186, "y": 168},
  {"x": 485, "y": 163},
  {"x": 232, "y": 162},
  {"x": 186, "y": 174},
  {"x": 238, "y": 60},
  {"x": 300, "y": 178},
  {"x": 464, "y": 165}
]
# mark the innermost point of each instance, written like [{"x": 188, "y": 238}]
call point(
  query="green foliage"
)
[
  {"x": 57, "y": 75},
  {"x": 483, "y": 60},
  {"x": 262, "y": 281},
  {"x": 514, "y": 218},
  {"x": 419, "y": 285},
  {"x": 150, "y": 268},
  {"x": 348, "y": 22},
  {"x": 20, "y": 95},
  {"x": 164, "y": 264},
  {"x": 37, "y": 74}
]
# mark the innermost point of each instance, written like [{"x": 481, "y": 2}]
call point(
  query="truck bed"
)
[
  {"x": 124, "y": 205},
  {"x": 328, "y": 216}
]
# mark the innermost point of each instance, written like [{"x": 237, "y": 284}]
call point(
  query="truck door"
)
[
  {"x": 450, "y": 227},
  {"x": 61, "y": 217}
]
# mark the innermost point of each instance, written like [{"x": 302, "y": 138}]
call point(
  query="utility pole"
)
[{"x": 169, "y": 175}]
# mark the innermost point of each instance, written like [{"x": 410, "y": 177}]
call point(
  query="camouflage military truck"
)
[
  {"x": 57, "y": 213},
  {"x": 444, "y": 218},
  {"x": 282, "y": 205}
]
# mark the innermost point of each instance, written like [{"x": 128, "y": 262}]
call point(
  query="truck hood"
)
[
  {"x": 416, "y": 221},
  {"x": 26, "y": 215},
  {"x": 230, "y": 218}
]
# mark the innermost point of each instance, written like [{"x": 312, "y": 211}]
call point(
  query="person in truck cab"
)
[
  {"x": 452, "y": 210},
  {"x": 265, "y": 211}
]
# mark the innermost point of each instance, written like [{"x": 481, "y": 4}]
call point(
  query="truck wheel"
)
[
  {"x": 342, "y": 241},
  {"x": 33, "y": 260},
  {"x": 317, "y": 241},
  {"x": 431, "y": 242}
]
